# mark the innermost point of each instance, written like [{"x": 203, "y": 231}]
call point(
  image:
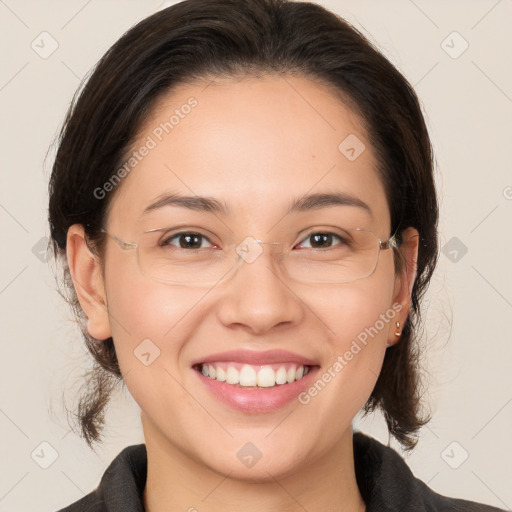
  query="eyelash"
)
[{"x": 166, "y": 241}]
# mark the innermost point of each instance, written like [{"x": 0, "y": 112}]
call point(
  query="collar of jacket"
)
[{"x": 385, "y": 481}]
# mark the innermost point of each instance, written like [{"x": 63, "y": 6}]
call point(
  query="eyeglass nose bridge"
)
[{"x": 250, "y": 249}]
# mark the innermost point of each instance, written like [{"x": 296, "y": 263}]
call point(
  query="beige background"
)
[{"x": 468, "y": 101}]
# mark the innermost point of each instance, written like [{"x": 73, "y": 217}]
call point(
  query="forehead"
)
[{"x": 255, "y": 144}]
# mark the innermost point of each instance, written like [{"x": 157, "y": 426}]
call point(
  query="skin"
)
[{"x": 255, "y": 144}]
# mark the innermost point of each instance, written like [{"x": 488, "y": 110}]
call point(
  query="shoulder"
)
[
  {"x": 387, "y": 484},
  {"x": 121, "y": 486}
]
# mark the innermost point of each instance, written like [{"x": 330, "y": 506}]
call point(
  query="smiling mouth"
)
[{"x": 253, "y": 376}]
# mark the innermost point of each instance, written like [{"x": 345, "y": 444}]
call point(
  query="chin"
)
[{"x": 258, "y": 471}]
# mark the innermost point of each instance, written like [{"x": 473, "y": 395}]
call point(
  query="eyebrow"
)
[
  {"x": 317, "y": 201},
  {"x": 301, "y": 204},
  {"x": 198, "y": 203}
]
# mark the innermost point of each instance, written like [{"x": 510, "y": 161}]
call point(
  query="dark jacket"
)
[{"x": 384, "y": 479}]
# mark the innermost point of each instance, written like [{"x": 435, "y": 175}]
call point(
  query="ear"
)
[
  {"x": 404, "y": 282},
  {"x": 87, "y": 278}
]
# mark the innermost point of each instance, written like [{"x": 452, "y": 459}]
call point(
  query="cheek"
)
[
  {"x": 350, "y": 310},
  {"x": 358, "y": 323},
  {"x": 145, "y": 316},
  {"x": 358, "y": 318},
  {"x": 150, "y": 325}
]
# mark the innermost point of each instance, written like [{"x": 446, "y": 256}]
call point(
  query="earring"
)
[{"x": 398, "y": 332}]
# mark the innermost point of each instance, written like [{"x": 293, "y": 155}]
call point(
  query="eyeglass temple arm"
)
[
  {"x": 390, "y": 243},
  {"x": 124, "y": 245}
]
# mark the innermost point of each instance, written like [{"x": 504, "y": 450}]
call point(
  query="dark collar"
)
[{"x": 384, "y": 479}]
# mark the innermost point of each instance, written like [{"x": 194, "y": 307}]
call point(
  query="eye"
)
[
  {"x": 321, "y": 241},
  {"x": 187, "y": 240}
]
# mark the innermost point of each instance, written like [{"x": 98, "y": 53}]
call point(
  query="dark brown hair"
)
[{"x": 196, "y": 39}]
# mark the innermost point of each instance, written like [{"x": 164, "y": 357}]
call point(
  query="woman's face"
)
[{"x": 255, "y": 146}]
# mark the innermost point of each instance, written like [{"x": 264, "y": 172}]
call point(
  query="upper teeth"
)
[{"x": 248, "y": 375}]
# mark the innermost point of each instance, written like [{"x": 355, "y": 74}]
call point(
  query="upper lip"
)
[{"x": 257, "y": 357}]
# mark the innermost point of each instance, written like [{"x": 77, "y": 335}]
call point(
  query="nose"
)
[{"x": 259, "y": 297}]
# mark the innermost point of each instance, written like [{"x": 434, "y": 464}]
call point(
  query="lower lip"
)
[{"x": 257, "y": 400}]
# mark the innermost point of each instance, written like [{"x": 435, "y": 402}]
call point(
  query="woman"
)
[{"x": 244, "y": 200}]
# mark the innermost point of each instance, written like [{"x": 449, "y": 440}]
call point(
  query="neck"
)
[{"x": 176, "y": 481}]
